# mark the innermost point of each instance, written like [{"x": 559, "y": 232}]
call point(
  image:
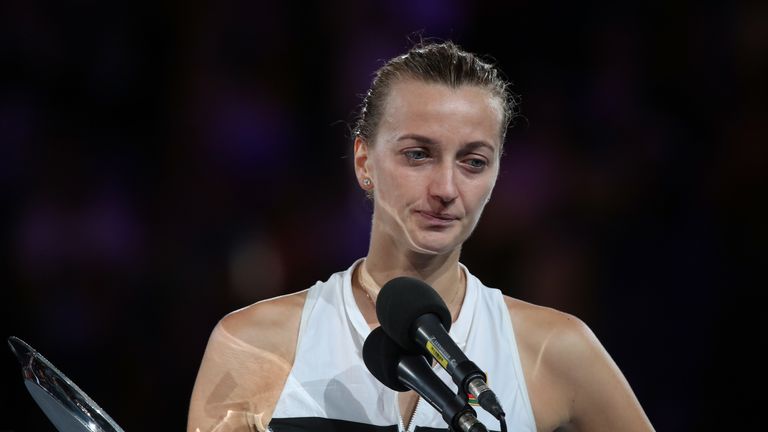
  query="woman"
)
[{"x": 427, "y": 150}]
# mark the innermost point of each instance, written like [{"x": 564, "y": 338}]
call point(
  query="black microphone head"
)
[
  {"x": 381, "y": 355},
  {"x": 404, "y": 299}
]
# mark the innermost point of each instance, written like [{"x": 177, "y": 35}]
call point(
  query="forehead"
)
[{"x": 436, "y": 109}]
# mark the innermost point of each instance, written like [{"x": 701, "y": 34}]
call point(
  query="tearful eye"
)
[
  {"x": 477, "y": 163},
  {"x": 415, "y": 155}
]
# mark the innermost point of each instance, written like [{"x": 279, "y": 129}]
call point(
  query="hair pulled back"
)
[{"x": 439, "y": 63}]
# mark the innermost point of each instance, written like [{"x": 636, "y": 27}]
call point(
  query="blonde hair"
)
[{"x": 442, "y": 63}]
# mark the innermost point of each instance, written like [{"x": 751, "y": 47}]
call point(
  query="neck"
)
[{"x": 441, "y": 271}]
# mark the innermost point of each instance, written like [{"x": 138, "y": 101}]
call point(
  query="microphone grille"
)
[
  {"x": 381, "y": 356},
  {"x": 403, "y": 300}
]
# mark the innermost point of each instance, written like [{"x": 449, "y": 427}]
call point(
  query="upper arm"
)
[
  {"x": 601, "y": 398},
  {"x": 246, "y": 362},
  {"x": 572, "y": 381}
]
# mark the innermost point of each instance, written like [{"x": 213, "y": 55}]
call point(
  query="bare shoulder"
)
[
  {"x": 573, "y": 382},
  {"x": 556, "y": 332},
  {"x": 271, "y": 325},
  {"x": 245, "y": 365},
  {"x": 552, "y": 346}
]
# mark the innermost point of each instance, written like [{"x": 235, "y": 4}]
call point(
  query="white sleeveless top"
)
[{"x": 329, "y": 387}]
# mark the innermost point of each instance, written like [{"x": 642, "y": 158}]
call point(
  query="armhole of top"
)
[
  {"x": 518, "y": 363},
  {"x": 309, "y": 303}
]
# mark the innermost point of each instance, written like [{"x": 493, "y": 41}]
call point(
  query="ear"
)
[{"x": 361, "y": 163}]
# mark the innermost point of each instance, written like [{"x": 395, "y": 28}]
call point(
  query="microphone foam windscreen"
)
[
  {"x": 404, "y": 299},
  {"x": 381, "y": 356}
]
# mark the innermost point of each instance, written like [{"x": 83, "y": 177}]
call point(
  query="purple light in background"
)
[
  {"x": 394, "y": 27},
  {"x": 248, "y": 138},
  {"x": 528, "y": 183},
  {"x": 53, "y": 235},
  {"x": 350, "y": 227},
  {"x": 434, "y": 16},
  {"x": 361, "y": 58}
]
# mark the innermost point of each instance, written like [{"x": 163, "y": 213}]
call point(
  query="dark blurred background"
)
[{"x": 163, "y": 164}]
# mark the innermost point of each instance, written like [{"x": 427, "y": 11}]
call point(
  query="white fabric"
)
[{"x": 330, "y": 380}]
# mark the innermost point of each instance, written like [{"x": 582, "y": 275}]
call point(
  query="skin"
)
[{"x": 432, "y": 167}]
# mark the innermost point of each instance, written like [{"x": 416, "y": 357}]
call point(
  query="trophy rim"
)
[{"x": 40, "y": 372}]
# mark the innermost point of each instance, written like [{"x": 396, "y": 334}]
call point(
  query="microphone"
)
[
  {"x": 401, "y": 371},
  {"x": 414, "y": 316}
]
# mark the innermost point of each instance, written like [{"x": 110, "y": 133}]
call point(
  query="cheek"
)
[
  {"x": 393, "y": 189},
  {"x": 393, "y": 185},
  {"x": 481, "y": 195}
]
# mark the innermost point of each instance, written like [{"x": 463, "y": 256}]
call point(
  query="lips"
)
[{"x": 437, "y": 218}]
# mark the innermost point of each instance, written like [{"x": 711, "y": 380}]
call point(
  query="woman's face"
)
[{"x": 433, "y": 163}]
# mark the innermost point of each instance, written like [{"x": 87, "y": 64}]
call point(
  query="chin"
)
[{"x": 435, "y": 246}]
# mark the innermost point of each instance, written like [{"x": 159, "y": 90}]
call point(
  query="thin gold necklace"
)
[{"x": 366, "y": 282}]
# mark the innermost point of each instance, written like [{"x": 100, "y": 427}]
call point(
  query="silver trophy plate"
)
[{"x": 67, "y": 407}]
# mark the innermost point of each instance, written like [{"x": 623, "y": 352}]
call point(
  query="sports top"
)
[{"x": 329, "y": 387}]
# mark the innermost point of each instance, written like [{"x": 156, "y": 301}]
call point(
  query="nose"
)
[{"x": 442, "y": 186}]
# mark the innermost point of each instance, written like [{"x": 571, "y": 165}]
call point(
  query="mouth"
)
[{"x": 441, "y": 219}]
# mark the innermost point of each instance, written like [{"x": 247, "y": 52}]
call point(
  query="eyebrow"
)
[
  {"x": 429, "y": 141},
  {"x": 416, "y": 137}
]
